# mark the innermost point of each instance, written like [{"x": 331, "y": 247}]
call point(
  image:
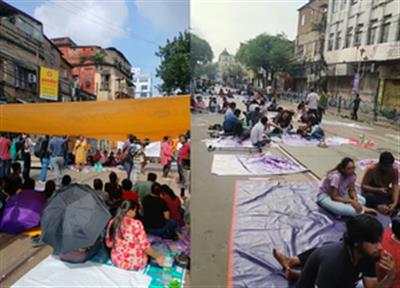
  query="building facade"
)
[
  {"x": 309, "y": 45},
  {"x": 24, "y": 51},
  {"x": 362, "y": 49},
  {"x": 104, "y": 72},
  {"x": 143, "y": 84}
]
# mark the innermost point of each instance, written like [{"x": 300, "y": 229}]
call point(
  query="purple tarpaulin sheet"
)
[
  {"x": 246, "y": 165},
  {"x": 363, "y": 164},
  {"x": 270, "y": 215},
  {"x": 232, "y": 143},
  {"x": 22, "y": 212}
]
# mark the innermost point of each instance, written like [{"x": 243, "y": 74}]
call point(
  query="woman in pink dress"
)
[
  {"x": 166, "y": 155},
  {"x": 128, "y": 240}
]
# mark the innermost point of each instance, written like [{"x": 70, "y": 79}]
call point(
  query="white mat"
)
[
  {"x": 52, "y": 272},
  {"x": 256, "y": 165}
]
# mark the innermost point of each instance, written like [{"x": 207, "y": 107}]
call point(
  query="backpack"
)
[
  {"x": 131, "y": 152},
  {"x": 39, "y": 150}
]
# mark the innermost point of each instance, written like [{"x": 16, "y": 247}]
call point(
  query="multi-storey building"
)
[
  {"x": 104, "y": 72},
  {"x": 309, "y": 46},
  {"x": 362, "y": 49},
  {"x": 24, "y": 51},
  {"x": 143, "y": 84}
]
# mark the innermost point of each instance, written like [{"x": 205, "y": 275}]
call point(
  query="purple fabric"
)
[
  {"x": 22, "y": 212},
  {"x": 282, "y": 216},
  {"x": 342, "y": 184}
]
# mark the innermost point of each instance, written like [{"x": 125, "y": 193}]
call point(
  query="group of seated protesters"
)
[{"x": 254, "y": 123}]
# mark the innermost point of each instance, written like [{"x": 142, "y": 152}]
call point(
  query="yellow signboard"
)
[{"x": 48, "y": 84}]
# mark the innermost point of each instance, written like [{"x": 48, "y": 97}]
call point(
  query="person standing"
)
[
  {"x": 183, "y": 156},
  {"x": 166, "y": 155},
  {"x": 312, "y": 102},
  {"x": 57, "y": 152},
  {"x": 356, "y": 106},
  {"x": 5, "y": 156},
  {"x": 81, "y": 149},
  {"x": 28, "y": 144},
  {"x": 44, "y": 159}
]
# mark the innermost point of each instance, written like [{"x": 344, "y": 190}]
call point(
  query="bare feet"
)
[
  {"x": 282, "y": 259},
  {"x": 370, "y": 211},
  {"x": 292, "y": 275},
  {"x": 180, "y": 236}
]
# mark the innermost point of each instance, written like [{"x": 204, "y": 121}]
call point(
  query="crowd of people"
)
[{"x": 255, "y": 124}]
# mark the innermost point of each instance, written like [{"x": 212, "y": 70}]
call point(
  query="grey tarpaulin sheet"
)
[{"x": 270, "y": 215}]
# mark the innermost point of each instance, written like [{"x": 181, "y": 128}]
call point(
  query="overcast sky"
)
[{"x": 226, "y": 23}]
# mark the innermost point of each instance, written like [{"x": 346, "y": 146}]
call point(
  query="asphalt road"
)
[{"x": 211, "y": 204}]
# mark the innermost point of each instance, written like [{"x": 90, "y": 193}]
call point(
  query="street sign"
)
[{"x": 48, "y": 84}]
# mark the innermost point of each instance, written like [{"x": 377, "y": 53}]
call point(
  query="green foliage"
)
[
  {"x": 174, "y": 69},
  {"x": 272, "y": 53},
  {"x": 200, "y": 51},
  {"x": 209, "y": 69}
]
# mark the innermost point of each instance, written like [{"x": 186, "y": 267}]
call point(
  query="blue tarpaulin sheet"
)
[{"x": 269, "y": 215}]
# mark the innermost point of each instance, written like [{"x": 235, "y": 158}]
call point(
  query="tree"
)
[
  {"x": 174, "y": 69},
  {"x": 200, "y": 51},
  {"x": 271, "y": 53},
  {"x": 209, "y": 70}
]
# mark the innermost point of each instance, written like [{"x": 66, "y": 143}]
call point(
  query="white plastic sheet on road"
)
[
  {"x": 52, "y": 272},
  {"x": 298, "y": 141},
  {"x": 345, "y": 124},
  {"x": 253, "y": 165}
]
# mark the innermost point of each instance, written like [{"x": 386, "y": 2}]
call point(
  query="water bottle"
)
[{"x": 167, "y": 269}]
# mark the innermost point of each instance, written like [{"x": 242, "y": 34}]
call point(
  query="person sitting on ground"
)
[
  {"x": 29, "y": 184},
  {"x": 110, "y": 162},
  {"x": 96, "y": 157},
  {"x": 231, "y": 121},
  {"x": 128, "y": 241},
  {"x": 49, "y": 189},
  {"x": 200, "y": 105},
  {"x": 143, "y": 188},
  {"x": 284, "y": 122},
  {"x": 258, "y": 135},
  {"x": 391, "y": 244},
  {"x": 213, "y": 105},
  {"x": 114, "y": 191},
  {"x": 312, "y": 131},
  {"x": 230, "y": 109},
  {"x": 15, "y": 177},
  {"x": 173, "y": 203},
  {"x": 127, "y": 193},
  {"x": 345, "y": 263},
  {"x": 98, "y": 187},
  {"x": 273, "y": 106},
  {"x": 380, "y": 185},
  {"x": 119, "y": 157},
  {"x": 338, "y": 191},
  {"x": 66, "y": 180},
  {"x": 157, "y": 219},
  {"x": 104, "y": 157},
  {"x": 254, "y": 116}
]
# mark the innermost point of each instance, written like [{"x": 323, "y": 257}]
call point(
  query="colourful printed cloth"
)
[
  {"x": 297, "y": 140},
  {"x": 128, "y": 251},
  {"x": 231, "y": 143}
]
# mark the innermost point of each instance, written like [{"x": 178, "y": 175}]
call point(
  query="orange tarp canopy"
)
[{"x": 109, "y": 120}]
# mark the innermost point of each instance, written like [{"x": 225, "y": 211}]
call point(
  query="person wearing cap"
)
[
  {"x": 345, "y": 263},
  {"x": 391, "y": 244},
  {"x": 380, "y": 185}
]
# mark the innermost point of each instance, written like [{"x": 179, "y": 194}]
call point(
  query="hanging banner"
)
[
  {"x": 151, "y": 118},
  {"x": 48, "y": 84}
]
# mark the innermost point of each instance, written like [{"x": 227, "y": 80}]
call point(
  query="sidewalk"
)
[{"x": 366, "y": 118}]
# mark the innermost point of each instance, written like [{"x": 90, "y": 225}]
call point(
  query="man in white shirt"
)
[
  {"x": 231, "y": 109},
  {"x": 312, "y": 102},
  {"x": 258, "y": 136}
]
